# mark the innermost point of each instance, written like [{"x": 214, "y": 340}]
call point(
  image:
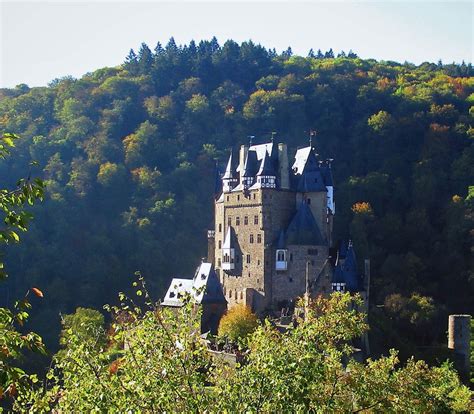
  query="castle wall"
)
[{"x": 292, "y": 282}]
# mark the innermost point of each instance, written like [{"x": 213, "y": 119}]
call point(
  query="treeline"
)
[{"x": 128, "y": 155}]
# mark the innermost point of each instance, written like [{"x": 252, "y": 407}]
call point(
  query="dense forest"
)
[{"x": 128, "y": 155}]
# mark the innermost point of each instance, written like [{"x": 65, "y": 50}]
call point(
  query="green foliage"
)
[
  {"x": 164, "y": 366},
  {"x": 13, "y": 340},
  {"x": 237, "y": 324},
  {"x": 86, "y": 325},
  {"x": 128, "y": 155}
]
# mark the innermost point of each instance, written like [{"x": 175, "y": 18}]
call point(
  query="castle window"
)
[
  {"x": 230, "y": 294},
  {"x": 238, "y": 197},
  {"x": 248, "y": 258},
  {"x": 259, "y": 238},
  {"x": 281, "y": 256},
  {"x": 219, "y": 262},
  {"x": 291, "y": 279},
  {"x": 227, "y": 198},
  {"x": 237, "y": 221},
  {"x": 251, "y": 238},
  {"x": 254, "y": 196},
  {"x": 220, "y": 227},
  {"x": 258, "y": 262},
  {"x": 291, "y": 257},
  {"x": 235, "y": 295},
  {"x": 220, "y": 244},
  {"x": 229, "y": 221},
  {"x": 308, "y": 201},
  {"x": 226, "y": 258},
  {"x": 241, "y": 295},
  {"x": 255, "y": 220},
  {"x": 246, "y": 220}
]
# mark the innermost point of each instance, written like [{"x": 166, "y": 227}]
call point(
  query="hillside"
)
[{"x": 128, "y": 155}]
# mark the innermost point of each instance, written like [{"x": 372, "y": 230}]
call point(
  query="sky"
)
[{"x": 44, "y": 40}]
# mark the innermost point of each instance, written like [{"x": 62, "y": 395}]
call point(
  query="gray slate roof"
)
[
  {"x": 267, "y": 167},
  {"x": 303, "y": 229},
  {"x": 203, "y": 288},
  {"x": 251, "y": 164},
  {"x": 346, "y": 269}
]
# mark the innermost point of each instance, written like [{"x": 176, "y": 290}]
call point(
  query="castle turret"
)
[
  {"x": 266, "y": 175},
  {"x": 229, "y": 179},
  {"x": 250, "y": 169}
]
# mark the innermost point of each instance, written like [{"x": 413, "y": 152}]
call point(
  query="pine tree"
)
[
  {"x": 319, "y": 55},
  {"x": 131, "y": 62},
  {"x": 329, "y": 54},
  {"x": 159, "y": 49},
  {"x": 145, "y": 59},
  {"x": 311, "y": 53},
  {"x": 287, "y": 53},
  {"x": 351, "y": 54}
]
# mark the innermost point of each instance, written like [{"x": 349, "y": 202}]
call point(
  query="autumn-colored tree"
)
[{"x": 238, "y": 323}]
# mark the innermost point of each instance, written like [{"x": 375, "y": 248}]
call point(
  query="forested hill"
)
[{"x": 128, "y": 156}]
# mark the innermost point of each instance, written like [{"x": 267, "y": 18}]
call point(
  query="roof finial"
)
[
  {"x": 273, "y": 135},
  {"x": 251, "y": 137},
  {"x": 312, "y": 133}
]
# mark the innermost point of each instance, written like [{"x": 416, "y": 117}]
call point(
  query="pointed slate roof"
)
[
  {"x": 311, "y": 181},
  {"x": 203, "y": 288},
  {"x": 281, "y": 244},
  {"x": 266, "y": 166},
  {"x": 207, "y": 288},
  {"x": 229, "y": 171},
  {"x": 305, "y": 161},
  {"x": 229, "y": 238},
  {"x": 346, "y": 270},
  {"x": 326, "y": 173},
  {"x": 251, "y": 164},
  {"x": 303, "y": 229}
]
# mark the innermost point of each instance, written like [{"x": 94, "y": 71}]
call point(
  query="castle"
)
[{"x": 272, "y": 238}]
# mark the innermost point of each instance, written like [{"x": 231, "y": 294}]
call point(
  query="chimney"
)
[
  {"x": 283, "y": 168},
  {"x": 242, "y": 157}
]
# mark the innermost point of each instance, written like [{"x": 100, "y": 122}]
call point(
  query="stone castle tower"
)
[{"x": 273, "y": 228}]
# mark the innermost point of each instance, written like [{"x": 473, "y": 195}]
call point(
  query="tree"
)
[
  {"x": 13, "y": 341},
  {"x": 238, "y": 323},
  {"x": 165, "y": 366},
  {"x": 86, "y": 325}
]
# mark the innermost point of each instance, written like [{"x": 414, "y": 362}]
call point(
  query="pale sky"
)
[{"x": 41, "y": 41}]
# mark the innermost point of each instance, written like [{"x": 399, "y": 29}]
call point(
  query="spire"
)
[
  {"x": 266, "y": 166},
  {"x": 229, "y": 171},
  {"x": 250, "y": 167}
]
